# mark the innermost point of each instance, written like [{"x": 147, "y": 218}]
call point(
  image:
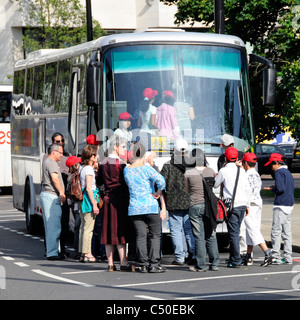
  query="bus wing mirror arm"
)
[{"x": 269, "y": 79}]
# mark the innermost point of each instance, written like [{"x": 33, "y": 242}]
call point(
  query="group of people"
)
[
  {"x": 168, "y": 119},
  {"x": 136, "y": 198}
]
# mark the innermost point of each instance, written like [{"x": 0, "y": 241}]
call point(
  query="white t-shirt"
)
[
  {"x": 146, "y": 119},
  {"x": 87, "y": 171},
  {"x": 227, "y": 176},
  {"x": 124, "y": 134}
]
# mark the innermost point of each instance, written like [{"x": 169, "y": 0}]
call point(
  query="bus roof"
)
[{"x": 50, "y": 55}]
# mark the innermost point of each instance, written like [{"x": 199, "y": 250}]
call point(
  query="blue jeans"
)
[
  {"x": 233, "y": 225},
  {"x": 52, "y": 222},
  {"x": 205, "y": 237},
  {"x": 181, "y": 234}
]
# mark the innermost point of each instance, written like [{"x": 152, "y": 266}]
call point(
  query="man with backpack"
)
[{"x": 240, "y": 201}]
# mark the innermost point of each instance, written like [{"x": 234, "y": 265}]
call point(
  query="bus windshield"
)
[{"x": 200, "y": 92}]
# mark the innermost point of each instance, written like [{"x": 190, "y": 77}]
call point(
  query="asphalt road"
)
[{"x": 26, "y": 275}]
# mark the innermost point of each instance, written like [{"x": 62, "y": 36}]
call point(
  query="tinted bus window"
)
[
  {"x": 49, "y": 88},
  {"x": 38, "y": 82},
  {"x": 62, "y": 87}
]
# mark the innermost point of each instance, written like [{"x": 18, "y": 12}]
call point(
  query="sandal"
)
[
  {"x": 89, "y": 259},
  {"x": 128, "y": 268},
  {"x": 111, "y": 268}
]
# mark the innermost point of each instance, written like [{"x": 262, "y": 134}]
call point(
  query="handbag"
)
[
  {"x": 86, "y": 205},
  {"x": 229, "y": 203}
]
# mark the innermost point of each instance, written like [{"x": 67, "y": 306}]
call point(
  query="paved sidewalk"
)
[{"x": 267, "y": 217}]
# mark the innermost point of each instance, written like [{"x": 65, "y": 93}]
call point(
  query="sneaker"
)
[
  {"x": 284, "y": 261},
  {"x": 276, "y": 261},
  {"x": 248, "y": 261},
  {"x": 213, "y": 268},
  {"x": 267, "y": 261},
  {"x": 230, "y": 265},
  {"x": 196, "y": 269},
  {"x": 177, "y": 263}
]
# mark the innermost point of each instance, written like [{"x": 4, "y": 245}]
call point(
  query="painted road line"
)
[
  {"x": 204, "y": 279},
  {"x": 52, "y": 276},
  {"x": 81, "y": 272},
  {"x": 8, "y": 258},
  {"x": 237, "y": 294},
  {"x": 21, "y": 264},
  {"x": 148, "y": 297}
]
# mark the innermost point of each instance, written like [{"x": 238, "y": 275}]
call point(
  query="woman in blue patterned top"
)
[{"x": 144, "y": 209}]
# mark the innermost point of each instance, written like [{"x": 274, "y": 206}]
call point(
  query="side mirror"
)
[
  {"x": 269, "y": 87},
  {"x": 93, "y": 85}
]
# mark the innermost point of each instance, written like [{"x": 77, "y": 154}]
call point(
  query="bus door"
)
[{"x": 74, "y": 111}]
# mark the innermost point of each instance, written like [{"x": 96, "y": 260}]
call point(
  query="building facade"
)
[{"x": 115, "y": 16}]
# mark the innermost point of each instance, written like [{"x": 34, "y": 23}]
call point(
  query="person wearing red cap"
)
[
  {"x": 166, "y": 116},
  {"x": 282, "y": 209},
  {"x": 73, "y": 163},
  {"x": 150, "y": 94},
  {"x": 254, "y": 236},
  {"x": 227, "y": 176},
  {"x": 92, "y": 139},
  {"x": 124, "y": 124}
]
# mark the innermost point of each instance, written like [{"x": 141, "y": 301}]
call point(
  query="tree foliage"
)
[
  {"x": 54, "y": 24},
  {"x": 272, "y": 27}
]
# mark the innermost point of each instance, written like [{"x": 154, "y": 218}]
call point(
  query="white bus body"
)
[
  {"x": 5, "y": 155},
  {"x": 82, "y": 90}
]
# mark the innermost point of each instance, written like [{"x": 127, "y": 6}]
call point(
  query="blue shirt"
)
[
  {"x": 284, "y": 188},
  {"x": 140, "y": 181}
]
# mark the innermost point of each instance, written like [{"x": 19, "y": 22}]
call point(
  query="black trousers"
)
[{"x": 147, "y": 253}]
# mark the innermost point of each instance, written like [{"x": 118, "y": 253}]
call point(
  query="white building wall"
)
[
  {"x": 113, "y": 15},
  {"x": 9, "y": 40}
]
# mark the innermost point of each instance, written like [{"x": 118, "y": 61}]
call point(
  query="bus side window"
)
[
  {"x": 62, "y": 86},
  {"x": 38, "y": 88},
  {"x": 28, "y": 91},
  {"x": 72, "y": 126},
  {"x": 19, "y": 82},
  {"x": 49, "y": 87}
]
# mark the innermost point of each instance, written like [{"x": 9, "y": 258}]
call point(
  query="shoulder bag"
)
[{"x": 229, "y": 202}]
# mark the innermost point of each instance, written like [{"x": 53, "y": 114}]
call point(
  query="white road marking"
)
[
  {"x": 8, "y": 258},
  {"x": 149, "y": 297},
  {"x": 52, "y": 276},
  {"x": 237, "y": 294},
  {"x": 21, "y": 264},
  {"x": 80, "y": 272},
  {"x": 204, "y": 279}
]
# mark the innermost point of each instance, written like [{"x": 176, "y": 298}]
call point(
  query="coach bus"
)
[
  {"x": 82, "y": 89},
  {"x": 5, "y": 156}
]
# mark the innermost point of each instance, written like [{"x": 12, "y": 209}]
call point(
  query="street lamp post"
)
[
  {"x": 89, "y": 24},
  {"x": 219, "y": 17}
]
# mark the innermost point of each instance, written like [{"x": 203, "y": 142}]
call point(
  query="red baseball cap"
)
[
  {"x": 150, "y": 93},
  {"x": 231, "y": 154},
  {"x": 168, "y": 93},
  {"x": 125, "y": 116},
  {"x": 275, "y": 157},
  {"x": 92, "y": 139},
  {"x": 250, "y": 157},
  {"x": 72, "y": 160}
]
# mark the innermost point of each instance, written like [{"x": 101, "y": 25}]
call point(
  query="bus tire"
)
[{"x": 33, "y": 221}]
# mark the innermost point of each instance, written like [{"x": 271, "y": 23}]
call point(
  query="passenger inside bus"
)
[
  {"x": 166, "y": 116},
  {"x": 5, "y": 116},
  {"x": 124, "y": 126}
]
